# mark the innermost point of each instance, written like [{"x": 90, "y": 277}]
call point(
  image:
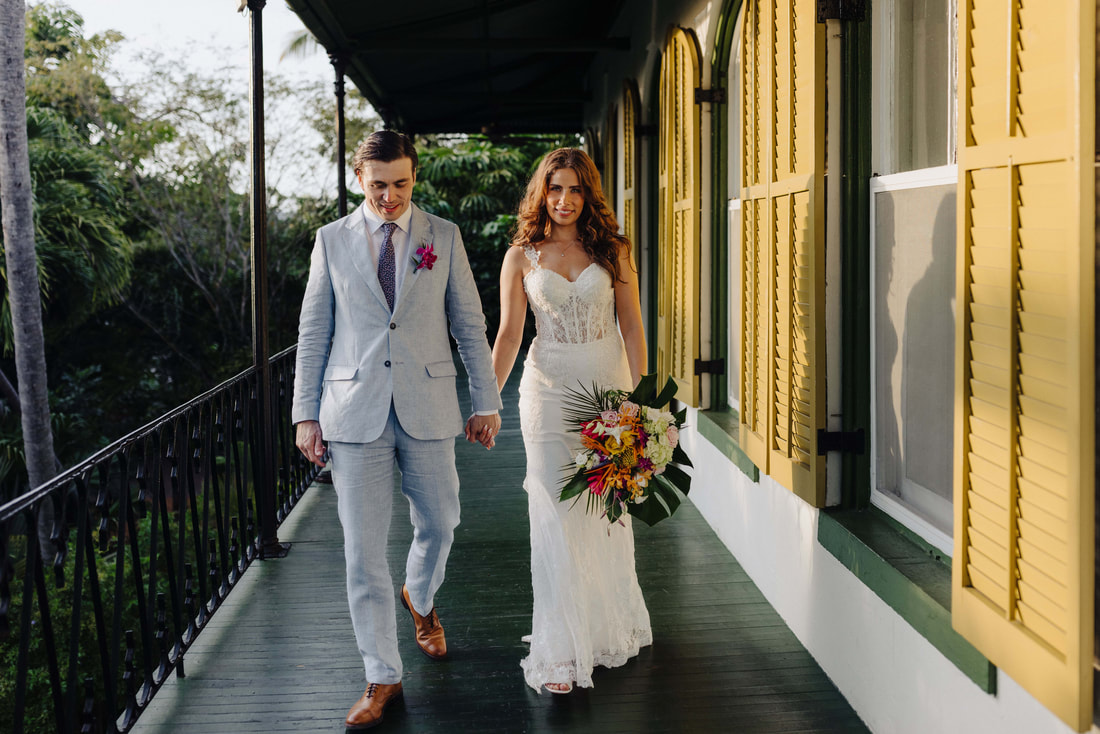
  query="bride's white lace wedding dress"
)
[{"x": 588, "y": 607}]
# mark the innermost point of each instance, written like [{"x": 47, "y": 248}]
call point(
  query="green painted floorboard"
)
[{"x": 280, "y": 655}]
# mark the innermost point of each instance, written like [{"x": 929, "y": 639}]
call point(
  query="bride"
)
[{"x": 574, "y": 269}]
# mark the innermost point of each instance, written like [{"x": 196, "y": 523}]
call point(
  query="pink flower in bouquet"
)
[
  {"x": 610, "y": 417},
  {"x": 595, "y": 483},
  {"x": 673, "y": 436},
  {"x": 629, "y": 409}
]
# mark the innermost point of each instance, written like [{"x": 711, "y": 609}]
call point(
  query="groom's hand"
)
[
  {"x": 308, "y": 440},
  {"x": 483, "y": 429}
]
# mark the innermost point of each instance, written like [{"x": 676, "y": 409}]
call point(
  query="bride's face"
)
[{"x": 564, "y": 197}]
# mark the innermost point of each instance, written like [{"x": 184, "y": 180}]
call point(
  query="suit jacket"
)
[{"x": 355, "y": 357}]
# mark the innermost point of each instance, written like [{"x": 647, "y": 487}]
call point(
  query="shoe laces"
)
[
  {"x": 432, "y": 619},
  {"x": 370, "y": 690}
]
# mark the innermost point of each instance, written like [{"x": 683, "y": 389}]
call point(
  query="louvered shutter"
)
[
  {"x": 630, "y": 186},
  {"x": 782, "y": 391},
  {"x": 1024, "y": 447},
  {"x": 678, "y": 301}
]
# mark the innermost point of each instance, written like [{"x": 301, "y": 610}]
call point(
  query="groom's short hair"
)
[{"x": 384, "y": 146}]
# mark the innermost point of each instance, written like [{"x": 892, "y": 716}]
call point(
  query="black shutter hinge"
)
[
  {"x": 849, "y": 442},
  {"x": 710, "y": 366},
  {"x": 840, "y": 10},
  {"x": 714, "y": 95}
]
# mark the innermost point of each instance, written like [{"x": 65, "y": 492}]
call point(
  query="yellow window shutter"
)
[
  {"x": 678, "y": 302},
  {"x": 783, "y": 238},
  {"x": 630, "y": 166},
  {"x": 1024, "y": 429}
]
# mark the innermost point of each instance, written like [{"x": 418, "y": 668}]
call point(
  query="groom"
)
[{"x": 375, "y": 380}]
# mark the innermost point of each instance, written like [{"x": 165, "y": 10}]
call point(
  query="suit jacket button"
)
[
  {"x": 387, "y": 363},
  {"x": 393, "y": 326}
]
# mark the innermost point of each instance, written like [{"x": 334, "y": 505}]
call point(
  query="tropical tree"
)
[
  {"x": 300, "y": 45},
  {"x": 21, "y": 267},
  {"x": 65, "y": 71},
  {"x": 81, "y": 252}
]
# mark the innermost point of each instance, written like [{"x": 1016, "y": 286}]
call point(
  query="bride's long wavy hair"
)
[{"x": 597, "y": 226}]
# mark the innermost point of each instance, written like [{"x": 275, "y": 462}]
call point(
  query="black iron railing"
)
[{"x": 142, "y": 543}]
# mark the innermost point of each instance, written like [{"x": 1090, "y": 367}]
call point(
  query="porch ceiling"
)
[{"x": 469, "y": 66}]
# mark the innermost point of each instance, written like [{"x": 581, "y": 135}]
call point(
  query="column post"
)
[
  {"x": 264, "y": 457},
  {"x": 339, "y": 63}
]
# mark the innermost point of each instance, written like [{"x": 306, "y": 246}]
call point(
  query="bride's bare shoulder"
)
[{"x": 515, "y": 261}]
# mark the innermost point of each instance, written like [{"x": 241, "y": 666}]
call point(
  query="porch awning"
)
[{"x": 469, "y": 66}]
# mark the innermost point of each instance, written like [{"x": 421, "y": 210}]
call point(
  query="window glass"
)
[{"x": 915, "y": 85}]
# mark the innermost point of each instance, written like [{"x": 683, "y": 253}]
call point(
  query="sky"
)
[
  {"x": 211, "y": 36},
  {"x": 197, "y": 30}
]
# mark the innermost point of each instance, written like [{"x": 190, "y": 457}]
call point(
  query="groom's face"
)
[{"x": 388, "y": 186}]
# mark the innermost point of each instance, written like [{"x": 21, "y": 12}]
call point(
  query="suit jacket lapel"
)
[
  {"x": 358, "y": 242},
  {"x": 420, "y": 233}
]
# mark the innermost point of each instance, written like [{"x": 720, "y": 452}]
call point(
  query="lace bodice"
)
[{"x": 570, "y": 312}]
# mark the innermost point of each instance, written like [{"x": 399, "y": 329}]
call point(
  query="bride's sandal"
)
[{"x": 559, "y": 688}]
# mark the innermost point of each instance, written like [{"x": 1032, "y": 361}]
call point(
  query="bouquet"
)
[{"x": 631, "y": 455}]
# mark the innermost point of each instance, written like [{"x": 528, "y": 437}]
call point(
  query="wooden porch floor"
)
[{"x": 280, "y": 656}]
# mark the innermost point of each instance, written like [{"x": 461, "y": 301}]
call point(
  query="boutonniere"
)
[{"x": 425, "y": 257}]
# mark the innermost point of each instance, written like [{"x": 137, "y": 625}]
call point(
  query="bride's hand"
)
[{"x": 483, "y": 429}]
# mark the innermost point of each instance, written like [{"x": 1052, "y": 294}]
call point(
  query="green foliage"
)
[
  {"x": 64, "y": 69},
  {"x": 39, "y": 714},
  {"x": 143, "y": 224},
  {"x": 478, "y": 184},
  {"x": 83, "y": 254},
  {"x": 39, "y": 699}
]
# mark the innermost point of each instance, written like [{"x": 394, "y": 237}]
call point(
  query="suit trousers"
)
[{"x": 362, "y": 474}]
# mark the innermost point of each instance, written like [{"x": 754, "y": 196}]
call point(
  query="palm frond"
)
[
  {"x": 580, "y": 405},
  {"x": 299, "y": 46}
]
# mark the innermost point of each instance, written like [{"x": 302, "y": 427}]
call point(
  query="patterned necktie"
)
[{"x": 386, "y": 266}]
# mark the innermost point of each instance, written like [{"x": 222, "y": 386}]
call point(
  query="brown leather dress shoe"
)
[
  {"x": 367, "y": 711},
  {"x": 429, "y": 632}
]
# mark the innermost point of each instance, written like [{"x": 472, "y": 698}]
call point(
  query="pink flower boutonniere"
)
[{"x": 425, "y": 257}]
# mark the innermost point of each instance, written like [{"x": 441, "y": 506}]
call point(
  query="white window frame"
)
[
  {"x": 734, "y": 296},
  {"x": 921, "y": 178},
  {"x": 733, "y": 225}
]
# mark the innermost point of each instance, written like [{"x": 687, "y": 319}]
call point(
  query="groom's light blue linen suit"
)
[{"x": 382, "y": 386}]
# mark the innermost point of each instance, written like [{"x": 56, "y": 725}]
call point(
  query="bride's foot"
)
[
  {"x": 526, "y": 638},
  {"x": 558, "y": 687}
]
